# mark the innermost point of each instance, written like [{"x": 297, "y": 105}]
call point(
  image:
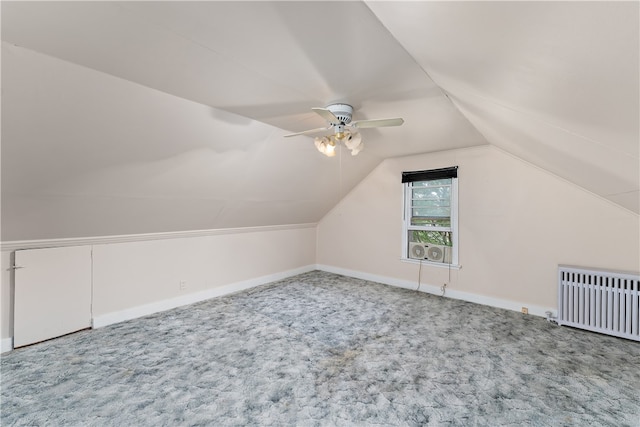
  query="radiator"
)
[{"x": 599, "y": 300}]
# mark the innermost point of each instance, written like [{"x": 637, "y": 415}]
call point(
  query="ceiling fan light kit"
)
[
  {"x": 354, "y": 143},
  {"x": 326, "y": 146},
  {"x": 339, "y": 118}
]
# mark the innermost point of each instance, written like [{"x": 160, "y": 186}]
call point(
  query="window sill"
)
[{"x": 431, "y": 263}]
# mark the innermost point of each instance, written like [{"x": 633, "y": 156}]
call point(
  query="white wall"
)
[
  {"x": 129, "y": 275},
  {"x": 135, "y": 278},
  {"x": 517, "y": 223}
]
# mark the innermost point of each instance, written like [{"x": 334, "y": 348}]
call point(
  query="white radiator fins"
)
[{"x": 601, "y": 301}]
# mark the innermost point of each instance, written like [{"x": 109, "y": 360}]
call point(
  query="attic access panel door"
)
[{"x": 52, "y": 293}]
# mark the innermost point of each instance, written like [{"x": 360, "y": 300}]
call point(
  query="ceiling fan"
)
[{"x": 339, "y": 118}]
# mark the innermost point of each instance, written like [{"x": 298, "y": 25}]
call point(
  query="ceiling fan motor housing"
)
[{"x": 342, "y": 112}]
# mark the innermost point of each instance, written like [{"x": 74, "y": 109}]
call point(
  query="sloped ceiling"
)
[
  {"x": 136, "y": 117},
  {"x": 555, "y": 83}
]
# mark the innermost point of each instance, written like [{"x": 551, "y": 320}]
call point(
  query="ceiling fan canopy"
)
[{"x": 339, "y": 118}]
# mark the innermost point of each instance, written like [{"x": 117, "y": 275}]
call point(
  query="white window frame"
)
[{"x": 406, "y": 226}]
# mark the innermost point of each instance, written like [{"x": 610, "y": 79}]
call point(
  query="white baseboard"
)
[
  {"x": 6, "y": 345},
  {"x": 155, "y": 307},
  {"x": 450, "y": 293},
  {"x": 147, "y": 309}
]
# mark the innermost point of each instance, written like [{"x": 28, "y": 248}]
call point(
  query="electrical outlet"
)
[
  {"x": 183, "y": 285},
  {"x": 525, "y": 310}
]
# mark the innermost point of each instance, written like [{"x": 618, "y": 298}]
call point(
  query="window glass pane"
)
[
  {"x": 431, "y": 221},
  {"x": 436, "y": 182},
  {"x": 429, "y": 203},
  {"x": 431, "y": 193},
  {"x": 434, "y": 237},
  {"x": 438, "y": 212}
]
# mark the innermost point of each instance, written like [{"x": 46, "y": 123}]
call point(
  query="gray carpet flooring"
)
[{"x": 325, "y": 350}]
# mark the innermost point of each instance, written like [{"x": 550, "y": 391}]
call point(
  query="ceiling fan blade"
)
[
  {"x": 376, "y": 123},
  {"x": 308, "y": 132},
  {"x": 326, "y": 114}
]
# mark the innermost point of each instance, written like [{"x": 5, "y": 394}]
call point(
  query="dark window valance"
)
[{"x": 427, "y": 175}]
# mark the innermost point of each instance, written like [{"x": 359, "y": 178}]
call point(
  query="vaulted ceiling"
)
[{"x": 136, "y": 117}]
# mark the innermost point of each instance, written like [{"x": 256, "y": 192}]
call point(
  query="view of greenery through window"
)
[
  {"x": 433, "y": 237},
  {"x": 431, "y": 208}
]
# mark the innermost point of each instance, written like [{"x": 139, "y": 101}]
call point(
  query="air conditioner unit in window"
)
[
  {"x": 417, "y": 250},
  {"x": 437, "y": 253}
]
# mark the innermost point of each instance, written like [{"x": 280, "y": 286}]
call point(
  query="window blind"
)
[{"x": 426, "y": 175}]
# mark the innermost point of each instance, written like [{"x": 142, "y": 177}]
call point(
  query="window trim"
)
[{"x": 406, "y": 208}]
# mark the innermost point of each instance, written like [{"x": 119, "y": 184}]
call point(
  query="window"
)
[{"x": 431, "y": 215}]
